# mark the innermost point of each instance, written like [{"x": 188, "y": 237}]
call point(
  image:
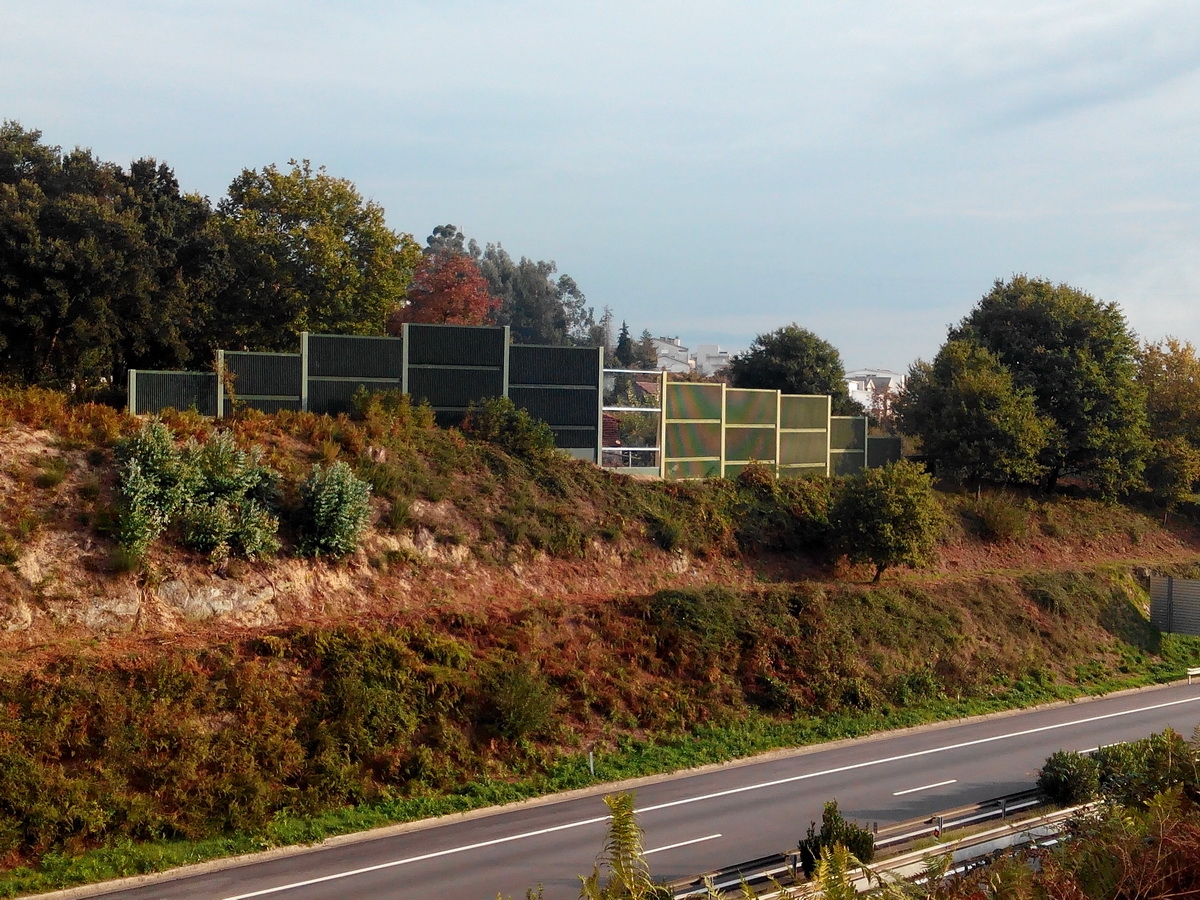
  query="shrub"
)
[
  {"x": 520, "y": 703},
  {"x": 888, "y": 517},
  {"x": 835, "y": 830},
  {"x": 1069, "y": 778},
  {"x": 999, "y": 518},
  {"x": 390, "y": 412},
  {"x": 499, "y": 421},
  {"x": 216, "y": 492},
  {"x": 335, "y": 507}
]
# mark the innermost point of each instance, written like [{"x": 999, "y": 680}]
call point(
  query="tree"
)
[
  {"x": 447, "y": 289},
  {"x": 310, "y": 255},
  {"x": 794, "y": 360},
  {"x": 1169, "y": 372},
  {"x": 645, "y": 354},
  {"x": 624, "y": 351},
  {"x": 1172, "y": 470},
  {"x": 1077, "y": 356},
  {"x": 538, "y": 307},
  {"x": 975, "y": 425},
  {"x": 888, "y": 517},
  {"x": 100, "y": 269}
]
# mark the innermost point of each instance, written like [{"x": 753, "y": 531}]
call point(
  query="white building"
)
[
  {"x": 865, "y": 385},
  {"x": 672, "y": 355},
  {"x": 710, "y": 359}
]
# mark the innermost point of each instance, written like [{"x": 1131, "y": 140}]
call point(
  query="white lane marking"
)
[
  {"x": 890, "y": 759},
  {"x": 924, "y": 787},
  {"x": 711, "y": 837},
  {"x": 413, "y": 859},
  {"x": 750, "y": 787}
]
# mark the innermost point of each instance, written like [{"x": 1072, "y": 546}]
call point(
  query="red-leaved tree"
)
[{"x": 447, "y": 289}]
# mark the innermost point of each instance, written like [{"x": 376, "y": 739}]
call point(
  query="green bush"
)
[
  {"x": 999, "y": 518},
  {"x": 888, "y": 517},
  {"x": 1069, "y": 778},
  {"x": 835, "y": 830},
  {"x": 335, "y": 508},
  {"x": 520, "y": 703},
  {"x": 499, "y": 421},
  {"x": 390, "y": 411},
  {"x": 1133, "y": 773},
  {"x": 216, "y": 492}
]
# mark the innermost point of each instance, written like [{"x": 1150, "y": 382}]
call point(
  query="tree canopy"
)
[
  {"x": 975, "y": 424},
  {"x": 1077, "y": 356},
  {"x": 794, "y": 360},
  {"x": 100, "y": 269},
  {"x": 311, "y": 255},
  {"x": 447, "y": 289},
  {"x": 888, "y": 517}
]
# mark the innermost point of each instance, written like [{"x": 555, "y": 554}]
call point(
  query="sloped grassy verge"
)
[{"x": 116, "y": 763}]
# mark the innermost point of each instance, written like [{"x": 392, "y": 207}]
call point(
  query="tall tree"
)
[
  {"x": 794, "y": 360},
  {"x": 539, "y": 306},
  {"x": 974, "y": 423},
  {"x": 624, "y": 351},
  {"x": 100, "y": 269},
  {"x": 310, "y": 255},
  {"x": 447, "y": 289},
  {"x": 1077, "y": 356},
  {"x": 645, "y": 354},
  {"x": 1169, "y": 372}
]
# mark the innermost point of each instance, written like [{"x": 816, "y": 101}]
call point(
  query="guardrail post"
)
[{"x": 1003, "y": 807}]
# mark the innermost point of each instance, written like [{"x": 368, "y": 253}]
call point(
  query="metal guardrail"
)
[{"x": 783, "y": 868}]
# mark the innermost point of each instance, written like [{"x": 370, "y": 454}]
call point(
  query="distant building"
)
[
  {"x": 872, "y": 387},
  {"x": 672, "y": 355},
  {"x": 710, "y": 359}
]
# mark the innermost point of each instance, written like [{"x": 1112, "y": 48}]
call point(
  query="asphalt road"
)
[{"x": 700, "y": 821}]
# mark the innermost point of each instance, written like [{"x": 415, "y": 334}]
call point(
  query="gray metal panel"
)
[
  {"x": 575, "y": 439},
  {"x": 454, "y": 388},
  {"x": 264, "y": 374},
  {"x": 456, "y": 345},
  {"x": 557, "y": 406},
  {"x": 353, "y": 356},
  {"x": 1175, "y": 605},
  {"x": 531, "y": 364},
  {"x": 156, "y": 391}
]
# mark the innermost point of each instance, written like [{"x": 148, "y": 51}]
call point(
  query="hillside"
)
[{"x": 504, "y": 613}]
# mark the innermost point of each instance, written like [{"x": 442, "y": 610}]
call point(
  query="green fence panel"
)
[
  {"x": 847, "y": 444},
  {"x": 882, "y": 450},
  {"x": 694, "y": 401}
]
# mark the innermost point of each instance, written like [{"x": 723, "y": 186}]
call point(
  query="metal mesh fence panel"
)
[
  {"x": 454, "y": 389},
  {"x": 1175, "y": 605},
  {"x": 532, "y": 364},
  {"x": 152, "y": 392},
  {"x": 456, "y": 345},
  {"x": 353, "y": 356}
]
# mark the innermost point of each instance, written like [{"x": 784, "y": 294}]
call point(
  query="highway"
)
[{"x": 696, "y": 821}]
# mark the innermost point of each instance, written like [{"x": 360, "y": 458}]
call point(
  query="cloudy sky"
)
[{"x": 710, "y": 170}]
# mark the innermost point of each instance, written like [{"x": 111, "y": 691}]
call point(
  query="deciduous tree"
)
[
  {"x": 794, "y": 360},
  {"x": 888, "y": 517},
  {"x": 974, "y": 423},
  {"x": 310, "y": 255},
  {"x": 1077, "y": 356},
  {"x": 447, "y": 289}
]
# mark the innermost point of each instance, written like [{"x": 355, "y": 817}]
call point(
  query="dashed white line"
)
[
  {"x": 711, "y": 837},
  {"x": 924, "y": 787},
  {"x": 698, "y": 799}
]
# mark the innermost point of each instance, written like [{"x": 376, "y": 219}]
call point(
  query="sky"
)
[{"x": 708, "y": 170}]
